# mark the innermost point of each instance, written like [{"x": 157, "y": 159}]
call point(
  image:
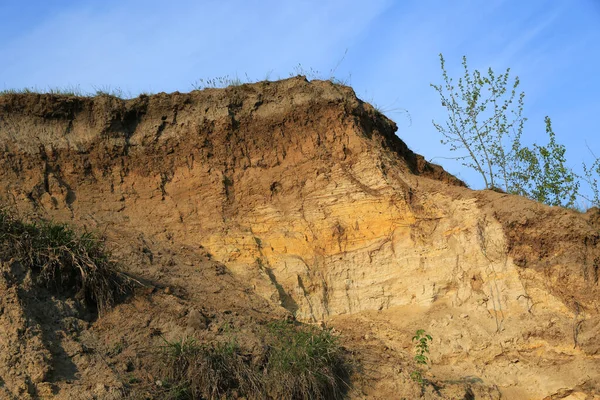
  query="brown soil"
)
[{"x": 238, "y": 206}]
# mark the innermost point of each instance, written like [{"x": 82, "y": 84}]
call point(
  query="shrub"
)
[{"x": 63, "y": 260}]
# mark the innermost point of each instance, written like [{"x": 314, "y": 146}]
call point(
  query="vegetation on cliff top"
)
[{"x": 485, "y": 126}]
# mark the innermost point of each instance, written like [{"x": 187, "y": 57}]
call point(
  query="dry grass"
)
[
  {"x": 300, "y": 362},
  {"x": 63, "y": 260},
  {"x": 211, "y": 371},
  {"x": 305, "y": 362}
]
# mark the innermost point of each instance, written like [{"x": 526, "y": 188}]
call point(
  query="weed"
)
[
  {"x": 422, "y": 340},
  {"x": 177, "y": 348},
  {"x": 63, "y": 260}
]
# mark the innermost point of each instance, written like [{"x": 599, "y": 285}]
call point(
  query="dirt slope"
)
[{"x": 316, "y": 208}]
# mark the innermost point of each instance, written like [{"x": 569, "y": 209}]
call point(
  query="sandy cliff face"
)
[{"x": 307, "y": 195}]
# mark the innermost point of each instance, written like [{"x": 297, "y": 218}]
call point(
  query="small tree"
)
[
  {"x": 421, "y": 340},
  {"x": 485, "y": 121}
]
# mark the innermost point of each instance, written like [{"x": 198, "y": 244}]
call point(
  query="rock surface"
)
[{"x": 309, "y": 198}]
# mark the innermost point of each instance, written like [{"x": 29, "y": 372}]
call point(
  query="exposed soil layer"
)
[{"x": 289, "y": 199}]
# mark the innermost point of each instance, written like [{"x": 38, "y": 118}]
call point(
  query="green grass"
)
[
  {"x": 305, "y": 362},
  {"x": 18, "y": 91},
  {"x": 193, "y": 370},
  {"x": 75, "y": 91},
  {"x": 63, "y": 260},
  {"x": 299, "y": 362},
  {"x": 107, "y": 90},
  {"x": 71, "y": 91}
]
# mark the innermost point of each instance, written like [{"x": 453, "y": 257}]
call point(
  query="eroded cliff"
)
[{"x": 307, "y": 195}]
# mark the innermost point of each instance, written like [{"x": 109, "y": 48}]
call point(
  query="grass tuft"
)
[
  {"x": 107, "y": 90},
  {"x": 63, "y": 260},
  {"x": 220, "y": 82},
  {"x": 305, "y": 362},
  {"x": 211, "y": 371},
  {"x": 25, "y": 90},
  {"x": 77, "y": 91},
  {"x": 300, "y": 362},
  {"x": 70, "y": 91}
]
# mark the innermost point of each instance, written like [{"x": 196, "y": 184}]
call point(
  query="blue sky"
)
[{"x": 392, "y": 52}]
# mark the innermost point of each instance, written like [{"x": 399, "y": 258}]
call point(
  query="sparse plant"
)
[
  {"x": 220, "y": 82},
  {"x": 107, "y": 90},
  {"x": 590, "y": 176},
  {"x": 391, "y": 109},
  {"x": 312, "y": 74},
  {"x": 71, "y": 90},
  {"x": 25, "y": 90},
  {"x": 75, "y": 91},
  {"x": 422, "y": 341}
]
